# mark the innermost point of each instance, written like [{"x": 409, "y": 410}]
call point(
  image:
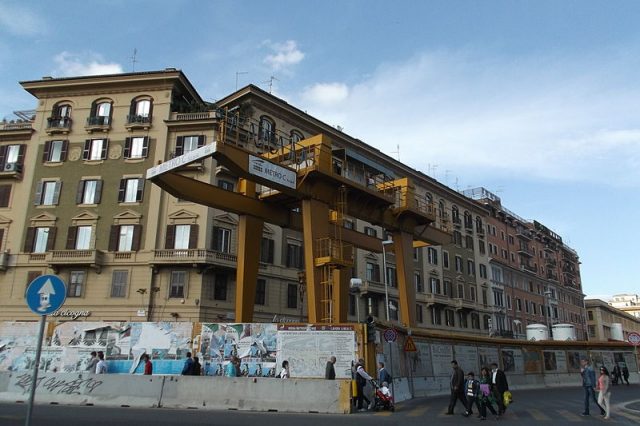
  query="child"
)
[
  {"x": 471, "y": 389},
  {"x": 385, "y": 389}
]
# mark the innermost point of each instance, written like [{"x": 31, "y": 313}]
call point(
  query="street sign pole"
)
[{"x": 34, "y": 376}]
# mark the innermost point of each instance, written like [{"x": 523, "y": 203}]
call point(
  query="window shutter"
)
[
  {"x": 51, "y": 238},
  {"x": 63, "y": 151},
  {"x": 170, "y": 238},
  {"x": 28, "y": 241},
  {"x": 80, "y": 192},
  {"x": 145, "y": 147},
  {"x": 46, "y": 152},
  {"x": 3, "y": 155},
  {"x": 105, "y": 147},
  {"x": 150, "y": 110},
  {"x": 21, "y": 152},
  {"x": 137, "y": 234},
  {"x": 122, "y": 191},
  {"x": 5, "y": 195},
  {"x": 56, "y": 192},
  {"x": 113, "y": 237},
  {"x": 193, "y": 236},
  {"x": 179, "y": 145},
  {"x": 98, "y": 195},
  {"x": 214, "y": 239},
  {"x": 132, "y": 110},
  {"x": 71, "y": 237},
  {"x": 271, "y": 250},
  {"x": 201, "y": 140},
  {"x": 94, "y": 108},
  {"x": 87, "y": 149},
  {"x": 127, "y": 148},
  {"x": 38, "y": 198},
  {"x": 140, "y": 191}
]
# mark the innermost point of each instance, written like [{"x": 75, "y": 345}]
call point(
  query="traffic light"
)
[{"x": 371, "y": 329}]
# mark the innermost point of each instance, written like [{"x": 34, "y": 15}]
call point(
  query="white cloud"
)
[
  {"x": 285, "y": 54},
  {"x": 20, "y": 21},
  {"x": 325, "y": 94},
  {"x": 71, "y": 64},
  {"x": 558, "y": 118}
]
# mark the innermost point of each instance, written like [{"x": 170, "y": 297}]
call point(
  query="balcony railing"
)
[
  {"x": 191, "y": 116},
  {"x": 525, "y": 250},
  {"x": 16, "y": 126},
  {"x": 93, "y": 258},
  {"x": 523, "y": 233},
  {"x": 98, "y": 121},
  {"x": 196, "y": 256},
  {"x": 528, "y": 268},
  {"x": 552, "y": 276},
  {"x": 58, "y": 124},
  {"x": 551, "y": 263},
  {"x": 438, "y": 299},
  {"x": 138, "y": 120}
]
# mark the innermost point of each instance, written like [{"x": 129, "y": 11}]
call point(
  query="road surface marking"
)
[
  {"x": 569, "y": 416},
  {"x": 418, "y": 412},
  {"x": 538, "y": 415}
]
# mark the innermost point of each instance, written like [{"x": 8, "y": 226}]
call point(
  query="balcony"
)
[
  {"x": 56, "y": 125},
  {"x": 194, "y": 257},
  {"x": 60, "y": 258},
  {"x": 528, "y": 268},
  {"x": 192, "y": 116},
  {"x": 438, "y": 299},
  {"x": 138, "y": 122},
  {"x": 524, "y": 250},
  {"x": 523, "y": 233},
  {"x": 11, "y": 171},
  {"x": 98, "y": 124},
  {"x": 457, "y": 221},
  {"x": 4, "y": 261},
  {"x": 12, "y": 126},
  {"x": 549, "y": 248},
  {"x": 464, "y": 304},
  {"x": 550, "y": 262},
  {"x": 552, "y": 276},
  {"x": 369, "y": 286}
]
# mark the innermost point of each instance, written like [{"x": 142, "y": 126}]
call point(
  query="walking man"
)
[
  {"x": 330, "y": 371},
  {"x": 187, "y": 369},
  {"x": 101, "y": 366},
  {"x": 361, "y": 380},
  {"x": 589, "y": 385},
  {"x": 148, "y": 366},
  {"x": 91, "y": 366},
  {"x": 457, "y": 388},
  {"x": 499, "y": 386}
]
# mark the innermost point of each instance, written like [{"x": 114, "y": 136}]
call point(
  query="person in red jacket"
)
[{"x": 148, "y": 366}]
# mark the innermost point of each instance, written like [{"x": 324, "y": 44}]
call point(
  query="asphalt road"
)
[{"x": 532, "y": 407}]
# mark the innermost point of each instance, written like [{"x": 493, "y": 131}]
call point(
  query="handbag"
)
[{"x": 507, "y": 398}]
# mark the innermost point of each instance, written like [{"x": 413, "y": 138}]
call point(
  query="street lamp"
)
[
  {"x": 384, "y": 272},
  {"x": 355, "y": 285}
]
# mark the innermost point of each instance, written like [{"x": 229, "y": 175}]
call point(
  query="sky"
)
[{"x": 537, "y": 101}]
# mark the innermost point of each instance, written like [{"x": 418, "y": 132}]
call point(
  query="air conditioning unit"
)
[{"x": 12, "y": 167}]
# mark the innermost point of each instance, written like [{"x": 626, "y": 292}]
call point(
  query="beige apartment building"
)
[
  {"x": 629, "y": 303},
  {"x": 608, "y": 323},
  {"x": 74, "y": 201}
]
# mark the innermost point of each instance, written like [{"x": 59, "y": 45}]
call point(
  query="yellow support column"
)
[
  {"x": 315, "y": 224},
  {"x": 403, "y": 247},
  {"x": 249, "y": 239},
  {"x": 341, "y": 278}
]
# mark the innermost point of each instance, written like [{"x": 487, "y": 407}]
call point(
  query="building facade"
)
[
  {"x": 629, "y": 303},
  {"x": 74, "y": 201},
  {"x": 608, "y": 323}
]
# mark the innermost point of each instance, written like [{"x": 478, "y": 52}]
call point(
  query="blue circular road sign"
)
[{"x": 46, "y": 294}]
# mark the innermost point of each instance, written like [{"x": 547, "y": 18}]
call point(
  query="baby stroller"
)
[{"x": 382, "y": 401}]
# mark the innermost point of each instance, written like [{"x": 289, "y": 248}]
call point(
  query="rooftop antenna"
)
[
  {"x": 446, "y": 177},
  {"x": 239, "y": 73},
  {"x": 397, "y": 151},
  {"x": 134, "y": 59},
  {"x": 270, "y": 81}
]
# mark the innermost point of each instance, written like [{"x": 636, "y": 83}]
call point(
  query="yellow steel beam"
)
[
  {"x": 249, "y": 233},
  {"x": 403, "y": 246},
  {"x": 315, "y": 225},
  {"x": 341, "y": 278}
]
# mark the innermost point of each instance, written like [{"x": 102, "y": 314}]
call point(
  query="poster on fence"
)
[
  {"x": 441, "y": 357},
  {"x": 512, "y": 361},
  {"x": 467, "y": 357},
  {"x": 555, "y": 361},
  {"x": 630, "y": 362},
  {"x": 420, "y": 360},
  {"x": 532, "y": 361},
  {"x": 488, "y": 356},
  {"x": 308, "y": 348},
  {"x": 573, "y": 360}
]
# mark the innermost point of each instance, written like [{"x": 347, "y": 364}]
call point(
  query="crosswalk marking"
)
[
  {"x": 538, "y": 415},
  {"x": 418, "y": 412},
  {"x": 569, "y": 415},
  {"x": 383, "y": 413}
]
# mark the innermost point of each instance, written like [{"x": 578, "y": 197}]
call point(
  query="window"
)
[
  {"x": 136, "y": 147},
  {"x": 100, "y": 114},
  {"x": 41, "y": 239},
  {"x": 462, "y": 319},
  {"x": 140, "y": 111},
  {"x": 460, "y": 291},
  {"x": 185, "y": 144},
  {"x": 518, "y": 304},
  {"x": 48, "y": 193},
  {"x": 349, "y": 224},
  {"x": 5, "y": 195},
  {"x": 459, "y": 267},
  {"x": 125, "y": 238},
  {"x": 220, "y": 287},
  {"x": 436, "y": 316},
  {"x": 296, "y": 136},
  {"x": 12, "y": 157},
  {"x": 468, "y": 242},
  {"x": 89, "y": 191},
  {"x": 417, "y": 279},
  {"x": 483, "y": 271},
  {"x": 82, "y": 236},
  {"x": 261, "y": 292},
  {"x": 445, "y": 259},
  {"x": 372, "y": 272},
  {"x": 468, "y": 220},
  {"x": 498, "y": 298},
  {"x": 455, "y": 215},
  {"x": 457, "y": 238},
  {"x": 294, "y": 256},
  {"x": 266, "y": 250},
  {"x": 393, "y": 310},
  {"x": 292, "y": 296},
  {"x": 481, "y": 247},
  {"x": 475, "y": 321},
  {"x": 449, "y": 318},
  {"x": 221, "y": 239},
  {"x": 177, "y": 283},
  {"x": 471, "y": 267},
  {"x": 432, "y": 255},
  {"x": 472, "y": 293},
  {"x": 590, "y": 315},
  {"x": 448, "y": 290},
  {"x": 119, "y": 281},
  {"x": 419, "y": 317},
  {"x": 95, "y": 149},
  {"x": 434, "y": 286},
  {"x": 487, "y": 322},
  {"x": 509, "y": 302},
  {"x": 370, "y": 231},
  {"x": 55, "y": 151},
  {"x": 266, "y": 130},
  {"x": 392, "y": 277},
  {"x": 479, "y": 227},
  {"x": 76, "y": 283},
  {"x": 131, "y": 190},
  {"x": 226, "y": 185}
]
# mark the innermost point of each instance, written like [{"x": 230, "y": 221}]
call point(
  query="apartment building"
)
[
  {"x": 629, "y": 303},
  {"x": 608, "y": 323},
  {"x": 76, "y": 203}
]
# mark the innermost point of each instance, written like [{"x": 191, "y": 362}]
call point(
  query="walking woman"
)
[
  {"x": 604, "y": 390},
  {"x": 485, "y": 396}
]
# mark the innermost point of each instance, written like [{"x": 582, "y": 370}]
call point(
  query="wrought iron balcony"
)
[{"x": 58, "y": 125}]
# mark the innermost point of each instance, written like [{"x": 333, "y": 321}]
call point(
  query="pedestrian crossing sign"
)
[{"x": 409, "y": 346}]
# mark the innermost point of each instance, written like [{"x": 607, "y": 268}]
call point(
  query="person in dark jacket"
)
[
  {"x": 457, "y": 388},
  {"x": 589, "y": 386},
  {"x": 499, "y": 386},
  {"x": 187, "y": 369},
  {"x": 197, "y": 367},
  {"x": 330, "y": 371},
  {"x": 383, "y": 374}
]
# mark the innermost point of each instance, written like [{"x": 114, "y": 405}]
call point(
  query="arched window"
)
[
  {"x": 100, "y": 113},
  {"x": 266, "y": 130},
  {"x": 455, "y": 214},
  {"x": 468, "y": 221},
  {"x": 296, "y": 136},
  {"x": 140, "y": 111},
  {"x": 60, "y": 116},
  {"x": 441, "y": 211},
  {"x": 479, "y": 226}
]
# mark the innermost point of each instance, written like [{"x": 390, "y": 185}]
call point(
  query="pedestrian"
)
[
  {"x": 187, "y": 368},
  {"x": 230, "y": 368},
  {"x": 148, "y": 366},
  {"x": 91, "y": 365},
  {"x": 383, "y": 374},
  {"x": 499, "y": 386},
  {"x": 471, "y": 391},
  {"x": 284, "y": 373},
  {"x": 588, "y": 384},
  {"x": 457, "y": 388},
  {"x": 330, "y": 370},
  {"x": 361, "y": 381},
  {"x": 484, "y": 395},
  {"x": 101, "y": 366},
  {"x": 625, "y": 374},
  {"x": 615, "y": 375},
  {"x": 237, "y": 364},
  {"x": 197, "y": 368},
  {"x": 604, "y": 391}
]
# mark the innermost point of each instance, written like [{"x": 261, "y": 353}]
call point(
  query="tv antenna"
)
[
  {"x": 134, "y": 59},
  {"x": 397, "y": 151},
  {"x": 240, "y": 73},
  {"x": 270, "y": 81}
]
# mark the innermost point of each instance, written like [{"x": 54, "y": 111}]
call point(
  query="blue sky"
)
[{"x": 535, "y": 100}]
